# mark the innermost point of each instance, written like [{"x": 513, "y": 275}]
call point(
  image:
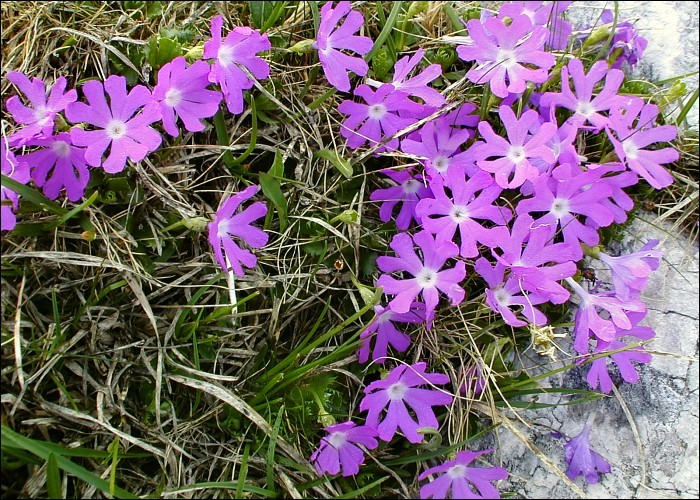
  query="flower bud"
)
[{"x": 303, "y": 47}]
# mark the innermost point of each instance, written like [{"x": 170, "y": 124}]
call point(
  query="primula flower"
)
[
  {"x": 619, "y": 202},
  {"x": 528, "y": 263},
  {"x": 182, "y": 93},
  {"x": 400, "y": 389},
  {"x": 39, "y": 118},
  {"x": 588, "y": 319},
  {"x": 583, "y": 460},
  {"x": 383, "y": 332},
  {"x": 502, "y": 296},
  {"x": 126, "y": 135},
  {"x": 633, "y": 127},
  {"x": 332, "y": 38},
  {"x": 417, "y": 85},
  {"x": 58, "y": 165},
  {"x": 598, "y": 372},
  {"x": 440, "y": 145},
  {"x": 428, "y": 280},
  {"x": 565, "y": 194},
  {"x": 459, "y": 481},
  {"x": 513, "y": 155},
  {"x": 383, "y": 116},
  {"x": 408, "y": 191},
  {"x": 464, "y": 210},
  {"x": 626, "y": 46},
  {"x": 238, "y": 50},
  {"x": 339, "y": 450},
  {"x": 630, "y": 272},
  {"x": 227, "y": 223},
  {"x": 18, "y": 171},
  {"x": 541, "y": 14},
  {"x": 500, "y": 54},
  {"x": 587, "y": 108}
]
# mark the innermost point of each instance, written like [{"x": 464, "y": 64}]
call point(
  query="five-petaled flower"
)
[
  {"x": 383, "y": 332},
  {"x": 583, "y": 460},
  {"x": 339, "y": 450},
  {"x": 400, "y": 389},
  {"x": 227, "y": 223},
  {"x": 18, "y": 171},
  {"x": 457, "y": 480}
]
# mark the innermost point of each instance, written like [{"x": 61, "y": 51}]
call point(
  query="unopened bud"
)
[
  {"x": 303, "y": 47},
  {"x": 195, "y": 53},
  {"x": 197, "y": 224}
]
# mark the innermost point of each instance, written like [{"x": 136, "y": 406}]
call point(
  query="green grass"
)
[{"x": 133, "y": 367}]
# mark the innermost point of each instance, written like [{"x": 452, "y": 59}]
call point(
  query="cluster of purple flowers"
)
[
  {"x": 451, "y": 209},
  {"x": 117, "y": 124}
]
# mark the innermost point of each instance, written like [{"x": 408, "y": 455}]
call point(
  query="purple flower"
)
[
  {"x": 39, "y": 118},
  {"x": 399, "y": 389},
  {"x": 331, "y": 38},
  {"x": 239, "y": 50},
  {"x": 440, "y": 145},
  {"x": 500, "y": 54},
  {"x": 618, "y": 202},
  {"x": 227, "y": 224},
  {"x": 339, "y": 450},
  {"x": 513, "y": 155},
  {"x": 129, "y": 136},
  {"x": 583, "y": 460},
  {"x": 459, "y": 481},
  {"x": 588, "y": 319},
  {"x": 383, "y": 116},
  {"x": 182, "y": 92},
  {"x": 383, "y": 332},
  {"x": 587, "y": 108},
  {"x": 598, "y": 372},
  {"x": 630, "y": 272},
  {"x": 463, "y": 210},
  {"x": 408, "y": 192},
  {"x": 417, "y": 86},
  {"x": 18, "y": 171},
  {"x": 529, "y": 263},
  {"x": 631, "y": 138},
  {"x": 502, "y": 295},
  {"x": 626, "y": 46},
  {"x": 475, "y": 381},
  {"x": 565, "y": 194},
  {"x": 543, "y": 15},
  {"x": 428, "y": 280},
  {"x": 57, "y": 166}
]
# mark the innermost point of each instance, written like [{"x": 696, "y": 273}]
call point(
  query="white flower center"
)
[
  {"x": 457, "y": 471},
  {"x": 426, "y": 278},
  {"x": 516, "y": 154},
  {"x": 459, "y": 213},
  {"x": 41, "y": 114},
  {"x": 61, "y": 148},
  {"x": 585, "y": 109},
  {"x": 377, "y": 111},
  {"x": 173, "y": 97},
  {"x": 411, "y": 186},
  {"x": 396, "y": 391},
  {"x": 116, "y": 129},
  {"x": 440, "y": 163},
  {"x": 506, "y": 58},
  {"x": 502, "y": 297},
  {"x": 225, "y": 56},
  {"x": 560, "y": 207},
  {"x": 222, "y": 230},
  {"x": 337, "y": 439},
  {"x": 385, "y": 317},
  {"x": 630, "y": 149}
]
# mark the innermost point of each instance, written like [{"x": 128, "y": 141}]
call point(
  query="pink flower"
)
[
  {"x": 39, "y": 118},
  {"x": 630, "y": 272},
  {"x": 417, "y": 85},
  {"x": 501, "y": 53},
  {"x": 541, "y": 14},
  {"x": 128, "y": 133},
  {"x": 459, "y": 481},
  {"x": 582, "y": 460},
  {"x": 238, "y": 51},
  {"x": 408, "y": 191},
  {"x": 227, "y": 223},
  {"x": 598, "y": 372},
  {"x": 331, "y": 38},
  {"x": 633, "y": 127},
  {"x": 339, "y": 450},
  {"x": 182, "y": 93},
  {"x": 383, "y": 332},
  {"x": 18, "y": 171},
  {"x": 399, "y": 389},
  {"x": 57, "y": 166},
  {"x": 428, "y": 278}
]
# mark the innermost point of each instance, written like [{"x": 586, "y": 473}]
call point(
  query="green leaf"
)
[
  {"x": 338, "y": 161},
  {"x": 271, "y": 188},
  {"x": 31, "y": 194},
  {"x": 179, "y": 34},
  {"x": 154, "y": 9},
  {"x": 53, "y": 478},
  {"x": 277, "y": 168},
  {"x": 260, "y": 11},
  {"x": 161, "y": 51}
]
